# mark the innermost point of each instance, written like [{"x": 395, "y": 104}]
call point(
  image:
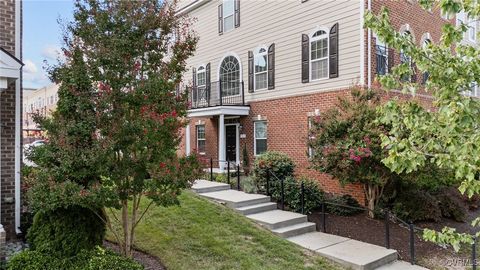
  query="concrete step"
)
[
  {"x": 204, "y": 186},
  {"x": 347, "y": 252},
  {"x": 276, "y": 219},
  {"x": 236, "y": 199},
  {"x": 400, "y": 265},
  {"x": 359, "y": 255},
  {"x": 257, "y": 208},
  {"x": 296, "y": 229}
]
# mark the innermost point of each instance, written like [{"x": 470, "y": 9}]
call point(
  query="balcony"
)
[{"x": 221, "y": 93}]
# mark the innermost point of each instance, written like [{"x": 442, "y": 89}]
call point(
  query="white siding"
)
[{"x": 281, "y": 22}]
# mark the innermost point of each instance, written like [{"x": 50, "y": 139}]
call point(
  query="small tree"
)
[
  {"x": 114, "y": 136},
  {"x": 346, "y": 144}
]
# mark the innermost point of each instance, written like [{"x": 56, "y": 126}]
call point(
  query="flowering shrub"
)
[{"x": 346, "y": 144}]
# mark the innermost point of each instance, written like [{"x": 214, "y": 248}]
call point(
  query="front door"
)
[{"x": 231, "y": 142}]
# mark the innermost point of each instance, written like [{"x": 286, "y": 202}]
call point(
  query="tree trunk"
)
[
  {"x": 371, "y": 194},
  {"x": 126, "y": 248}
]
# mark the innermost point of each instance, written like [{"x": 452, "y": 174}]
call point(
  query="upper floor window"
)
[
  {"x": 472, "y": 29},
  {"x": 404, "y": 58},
  {"x": 201, "y": 76},
  {"x": 261, "y": 63},
  {"x": 320, "y": 54},
  {"x": 230, "y": 76},
  {"x": 381, "y": 53},
  {"x": 228, "y": 15},
  {"x": 261, "y": 68},
  {"x": 426, "y": 42}
]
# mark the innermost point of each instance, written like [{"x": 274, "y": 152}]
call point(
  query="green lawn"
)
[{"x": 200, "y": 234}]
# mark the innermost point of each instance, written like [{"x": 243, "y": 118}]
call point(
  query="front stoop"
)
[{"x": 295, "y": 228}]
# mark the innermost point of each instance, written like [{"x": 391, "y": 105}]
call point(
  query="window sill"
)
[{"x": 321, "y": 79}]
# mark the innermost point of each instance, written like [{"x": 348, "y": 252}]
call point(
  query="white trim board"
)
[{"x": 218, "y": 110}]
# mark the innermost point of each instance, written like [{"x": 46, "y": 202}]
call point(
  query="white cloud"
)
[
  {"x": 51, "y": 52},
  {"x": 30, "y": 67},
  {"x": 33, "y": 76}
]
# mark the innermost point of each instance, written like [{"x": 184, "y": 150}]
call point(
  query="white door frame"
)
[{"x": 237, "y": 141}]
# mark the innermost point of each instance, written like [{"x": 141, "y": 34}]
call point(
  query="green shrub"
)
[
  {"x": 96, "y": 259},
  {"x": 337, "y": 207},
  {"x": 277, "y": 163},
  {"x": 66, "y": 231},
  {"x": 248, "y": 185},
  {"x": 417, "y": 205},
  {"x": 292, "y": 188},
  {"x": 451, "y": 204}
]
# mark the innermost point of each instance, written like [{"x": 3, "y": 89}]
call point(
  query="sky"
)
[{"x": 42, "y": 37}]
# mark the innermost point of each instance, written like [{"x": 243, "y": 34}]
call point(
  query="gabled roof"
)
[{"x": 9, "y": 65}]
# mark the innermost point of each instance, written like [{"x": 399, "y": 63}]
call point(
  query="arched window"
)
[
  {"x": 261, "y": 68},
  {"x": 230, "y": 76},
  {"x": 404, "y": 58},
  {"x": 319, "y": 55},
  {"x": 426, "y": 42},
  {"x": 201, "y": 77}
]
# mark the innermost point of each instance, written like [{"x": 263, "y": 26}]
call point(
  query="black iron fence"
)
[
  {"x": 221, "y": 93},
  {"x": 388, "y": 216}
]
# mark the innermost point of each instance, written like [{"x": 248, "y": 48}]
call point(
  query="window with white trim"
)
[
  {"x": 230, "y": 76},
  {"x": 381, "y": 53},
  {"x": 260, "y": 59},
  {"x": 426, "y": 74},
  {"x": 319, "y": 55},
  {"x": 201, "y": 76},
  {"x": 201, "y": 139},
  {"x": 260, "y": 133},
  {"x": 472, "y": 29},
  {"x": 228, "y": 15},
  {"x": 404, "y": 58}
]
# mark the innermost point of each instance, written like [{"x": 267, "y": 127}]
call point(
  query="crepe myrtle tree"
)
[
  {"x": 346, "y": 144},
  {"x": 114, "y": 135},
  {"x": 448, "y": 134}
]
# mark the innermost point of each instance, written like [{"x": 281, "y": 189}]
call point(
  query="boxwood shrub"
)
[
  {"x": 277, "y": 163},
  {"x": 95, "y": 259},
  {"x": 65, "y": 232}
]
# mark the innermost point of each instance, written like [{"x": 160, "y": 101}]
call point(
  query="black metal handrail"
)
[
  {"x": 388, "y": 215},
  {"x": 221, "y": 93}
]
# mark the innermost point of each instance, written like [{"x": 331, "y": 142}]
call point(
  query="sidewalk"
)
[{"x": 295, "y": 228}]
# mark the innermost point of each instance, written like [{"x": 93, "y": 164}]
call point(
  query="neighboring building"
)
[
  {"x": 262, "y": 69},
  {"x": 10, "y": 113},
  {"x": 40, "y": 101}
]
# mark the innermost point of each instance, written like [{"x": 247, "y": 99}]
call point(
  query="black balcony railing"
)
[{"x": 221, "y": 93}]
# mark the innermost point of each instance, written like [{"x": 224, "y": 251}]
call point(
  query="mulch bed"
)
[
  {"x": 363, "y": 228},
  {"x": 148, "y": 261}
]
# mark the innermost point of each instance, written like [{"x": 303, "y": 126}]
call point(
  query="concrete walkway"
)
[{"x": 295, "y": 228}]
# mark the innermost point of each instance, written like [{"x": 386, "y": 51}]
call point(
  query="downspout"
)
[
  {"x": 369, "y": 36},
  {"x": 18, "y": 105},
  {"x": 362, "y": 43}
]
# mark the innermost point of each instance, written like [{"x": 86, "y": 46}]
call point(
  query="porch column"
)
[
  {"x": 187, "y": 140},
  {"x": 221, "y": 142}
]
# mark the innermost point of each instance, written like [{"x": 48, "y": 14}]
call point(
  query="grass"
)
[{"x": 200, "y": 234}]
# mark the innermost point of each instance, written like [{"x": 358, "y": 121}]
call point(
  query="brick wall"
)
[
  {"x": 7, "y": 120},
  {"x": 7, "y": 25},
  {"x": 287, "y": 125},
  {"x": 7, "y": 110},
  {"x": 401, "y": 13}
]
